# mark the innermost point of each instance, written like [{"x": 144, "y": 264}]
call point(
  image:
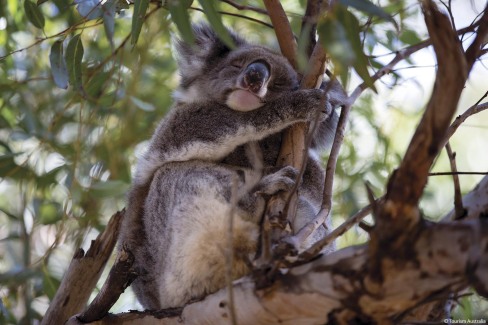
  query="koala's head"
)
[{"x": 243, "y": 78}]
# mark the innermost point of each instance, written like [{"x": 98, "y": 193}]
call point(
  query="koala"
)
[{"x": 198, "y": 171}]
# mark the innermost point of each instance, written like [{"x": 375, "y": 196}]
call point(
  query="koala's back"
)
[{"x": 186, "y": 218}]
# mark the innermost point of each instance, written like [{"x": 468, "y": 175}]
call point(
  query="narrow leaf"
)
[
  {"x": 34, "y": 14},
  {"x": 339, "y": 33},
  {"x": 109, "y": 20},
  {"x": 74, "y": 56},
  {"x": 353, "y": 30},
  {"x": 140, "y": 8},
  {"x": 145, "y": 106},
  {"x": 215, "y": 21},
  {"x": 181, "y": 18},
  {"x": 90, "y": 9},
  {"x": 58, "y": 65},
  {"x": 368, "y": 8},
  {"x": 10, "y": 215}
]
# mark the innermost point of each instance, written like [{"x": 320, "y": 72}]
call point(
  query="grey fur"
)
[{"x": 180, "y": 202}]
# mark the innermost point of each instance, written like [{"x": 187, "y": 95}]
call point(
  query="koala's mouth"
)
[
  {"x": 244, "y": 100},
  {"x": 251, "y": 87}
]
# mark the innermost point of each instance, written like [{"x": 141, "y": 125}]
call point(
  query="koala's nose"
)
[{"x": 255, "y": 76}]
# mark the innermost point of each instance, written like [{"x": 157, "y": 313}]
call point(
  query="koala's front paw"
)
[
  {"x": 309, "y": 101},
  {"x": 282, "y": 180}
]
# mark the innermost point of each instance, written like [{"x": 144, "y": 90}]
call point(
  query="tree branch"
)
[
  {"x": 458, "y": 202},
  {"x": 82, "y": 275},
  {"x": 283, "y": 31},
  {"x": 120, "y": 277},
  {"x": 407, "y": 183},
  {"x": 337, "y": 288}
]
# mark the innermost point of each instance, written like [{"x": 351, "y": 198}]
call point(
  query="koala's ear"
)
[{"x": 207, "y": 48}]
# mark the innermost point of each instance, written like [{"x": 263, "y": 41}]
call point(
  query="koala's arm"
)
[{"x": 209, "y": 131}]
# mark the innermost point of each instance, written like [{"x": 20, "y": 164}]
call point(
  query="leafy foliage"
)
[{"x": 84, "y": 83}]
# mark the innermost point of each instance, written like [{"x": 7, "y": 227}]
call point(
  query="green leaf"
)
[
  {"x": 368, "y": 8},
  {"x": 49, "y": 213},
  {"x": 40, "y": 2},
  {"x": 140, "y": 8},
  {"x": 109, "y": 20},
  {"x": 74, "y": 56},
  {"x": 50, "y": 285},
  {"x": 181, "y": 18},
  {"x": 142, "y": 105},
  {"x": 109, "y": 189},
  {"x": 410, "y": 37},
  {"x": 215, "y": 21},
  {"x": 94, "y": 86},
  {"x": 90, "y": 9},
  {"x": 34, "y": 14},
  {"x": 10, "y": 215},
  {"x": 339, "y": 34},
  {"x": 58, "y": 65}
]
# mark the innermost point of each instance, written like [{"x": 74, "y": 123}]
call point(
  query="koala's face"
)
[{"x": 244, "y": 78}]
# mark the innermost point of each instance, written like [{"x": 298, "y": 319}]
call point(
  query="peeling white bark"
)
[{"x": 442, "y": 258}]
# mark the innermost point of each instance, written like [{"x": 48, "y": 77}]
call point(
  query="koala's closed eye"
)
[{"x": 237, "y": 63}]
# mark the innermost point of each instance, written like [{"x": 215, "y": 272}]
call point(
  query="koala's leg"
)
[{"x": 186, "y": 221}]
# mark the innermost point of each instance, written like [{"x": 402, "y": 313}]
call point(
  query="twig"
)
[
  {"x": 326, "y": 207},
  {"x": 336, "y": 233},
  {"x": 308, "y": 30},
  {"x": 63, "y": 32},
  {"x": 400, "y": 56},
  {"x": 448, "y": 7},
  {"x": 239, "y": 16},
  {"x": 243, "y": 7},
  {"x": 458, "y": 200},
  {"x": 457, "y": 173},
  {"x": 283, "y": 31},
  {"x": 474, "y": 50},
  {"x": 229, "y": 252},
  {"x": 476, "y": 108}
]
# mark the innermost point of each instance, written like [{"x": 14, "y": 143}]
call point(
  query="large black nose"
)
[{"x": 255, "y": 76}]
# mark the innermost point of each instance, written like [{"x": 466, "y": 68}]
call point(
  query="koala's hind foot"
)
[{"x": 282, "y": 180}]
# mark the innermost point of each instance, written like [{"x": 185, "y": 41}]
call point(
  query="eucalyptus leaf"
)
[
  {"x": 109, "y": 188},
  {"x": 140, "y": 8},
  {"x": 50, "y": 285},
  {"x": 181, "y": 18},
  {"x": 74, "y": 56},
  {"x": 49, "y": 213},
  {"x": 142, "y": 105},
  {"x": 339, "y": 34},
  {"x": 34, "y": 14},
  {"x": 90, "y": 9},
  {"x": 109, "y": 9},
  {"x": 410, "y": 37},
  {"x": 215, "y": 20},
  {"x": 367, "y": 7},
  {"x": 58, "y": 65}
]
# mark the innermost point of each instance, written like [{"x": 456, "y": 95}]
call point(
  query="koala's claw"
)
[{"x": 282, "y": 180}]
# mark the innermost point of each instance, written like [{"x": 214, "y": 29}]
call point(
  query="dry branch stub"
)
[{"x": 82, "y": 275}]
